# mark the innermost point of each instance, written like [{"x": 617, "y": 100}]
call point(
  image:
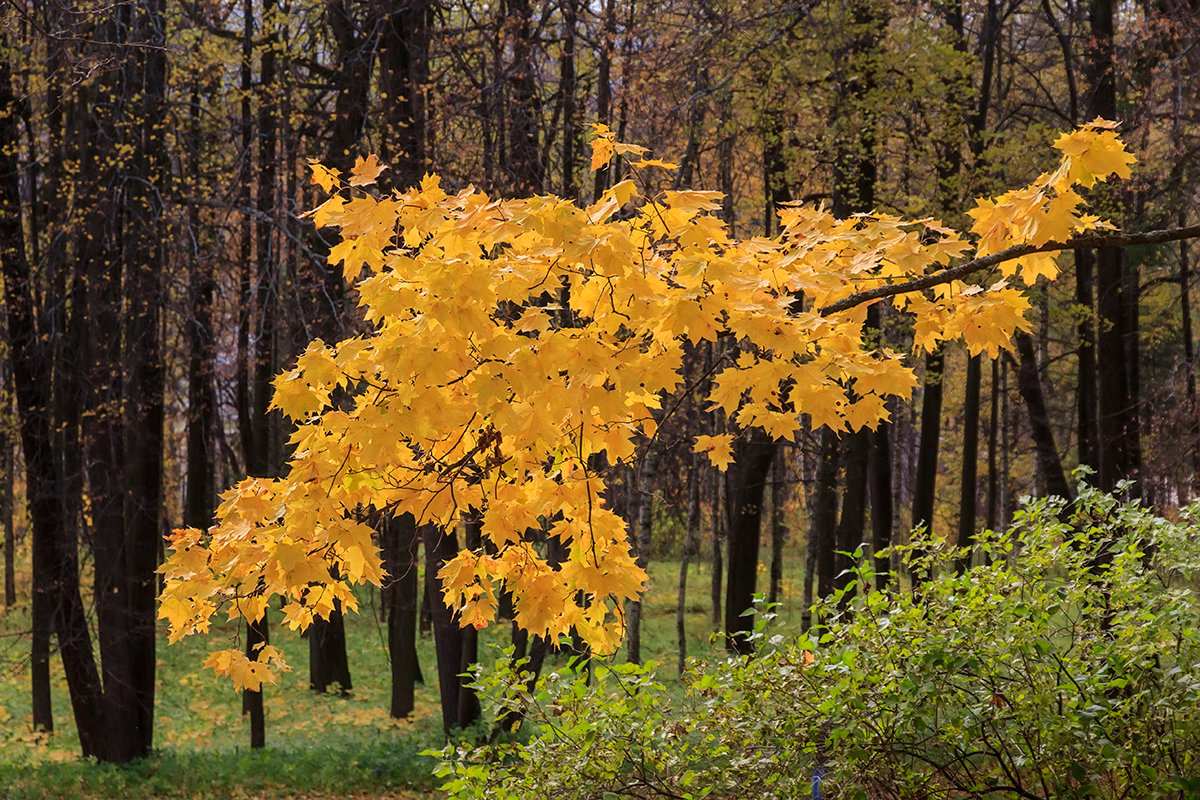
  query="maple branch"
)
[{"x": 1009, "y": 254}]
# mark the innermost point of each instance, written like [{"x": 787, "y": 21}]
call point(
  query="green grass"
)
[{"x": 318, "y": 746}]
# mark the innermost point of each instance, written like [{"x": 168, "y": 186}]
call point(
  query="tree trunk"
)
[
  {"x": 525, "y": 166},
  {"x": 717, "y": 544},
  {"x": 970, "y": 456},
  {"x": 1087, "y": 431},
  {"x": 404, "y": 74},
  {"x": 1189, "y": 358},
  {"x": 852, "y": 525},
  {"x": 257, "y": 634},
  {"x": 779, "y": 530},
  {"x": 55, "y": 557},
  {"x": 460, "y": 706},
  {"x": 691, "y": 533},
  {"x": 1030, "y": 385},
  {"x": 400, "y": 542},
  {"x": 879, "y": 477},
  {"x": 823, "y": 520},
  {"x": 745, "y": 483},
  {"x": 643, "y": 529},
  {"x": 925, "y": 487},
  {"x": 7, "y": 462}
]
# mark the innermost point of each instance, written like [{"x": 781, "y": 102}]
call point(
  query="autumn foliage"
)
[{"x": 518, "y": 349}]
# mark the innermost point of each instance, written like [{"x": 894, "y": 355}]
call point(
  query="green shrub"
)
[{"x": 1066, "y": 666}]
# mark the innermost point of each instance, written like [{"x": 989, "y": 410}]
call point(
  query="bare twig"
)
[{"x": 1009, "y": 254}]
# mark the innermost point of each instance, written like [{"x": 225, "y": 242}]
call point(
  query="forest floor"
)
[{"x": 319, "y": 746}]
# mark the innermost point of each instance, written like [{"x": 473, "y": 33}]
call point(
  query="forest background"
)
[{"x": 159, "y": 272}]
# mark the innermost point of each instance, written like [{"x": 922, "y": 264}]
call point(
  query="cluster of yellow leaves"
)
[
  {"x": 245, "y": 672},
  {"x": 519, "y": 347}
]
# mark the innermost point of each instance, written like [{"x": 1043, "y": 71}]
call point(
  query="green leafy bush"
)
[{"x": 1067, "y": 665}]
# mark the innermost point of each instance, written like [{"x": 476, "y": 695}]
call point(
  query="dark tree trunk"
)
[
  {"x": 56, "y": 567},
  {"x": 643, "y": 529},
  {"x": 7, "y": 463},
  {"x": 717, "y": 544},
  {"x": 460, "y": 706},
  {"x": 823, "y": 519},
  {"x": 1087, "y": 432},
  {"x": 993, "y": 478},
  {"x": 779, "y": 530},
  {"x": 1189, "y": 358},
  {"x": 1117, "y": 411},
  {"x": 525, "y": 166},
  {"x": 970, "y": 456},
  {"x": 145, "y": 383},
  {"x": 925, "y": 485},
  {"x": 567, "y": 88},
  {"x": 879, "y": 478},
  {"x": 257, "y": 634},
  {"x": 691, "y": 533},
  {"x": 400, "y": 543},
  {"x": 404, "y": 73},
  {"x": 745, "y": 483},
  {"x": 852, "y": 524},
  {"x": 1029, "y": 383},
  {"x": 202, "y": 396},
  {"x": 328, "y": 664},
  {"x": 604, "y": 81}
]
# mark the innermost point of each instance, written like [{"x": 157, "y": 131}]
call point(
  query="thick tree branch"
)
[{"x": 1009, "y": 254}]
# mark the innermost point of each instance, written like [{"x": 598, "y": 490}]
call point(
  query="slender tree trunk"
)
[
  {"x": 925, "y": 487},
  {"x": 460, "y": 707},
  {"x": 691, "y": 534},
  {"x": 54, "y": 550},
  {"x": 524, "y": 164},
  {"x": 879, "y": 478},
  {"x": 400, "y": 542},
  {"x": 1030, "y": 385},
  {"x": 7, "y": 463},
  {"x": 1189, "y": 357},
  {"x": 746, "y": 483},
  {"x": 852, "y": 524},
  {"x": 644, "y": 491},
  {"x": 1117, "y": 413},
  {"x": 718, "y": 547},
  {"x": 823, "y": 519},
  {"x": 568, "y": 87},
  {"x": 779, "y": 530},
  {"x": 257, "y": 634},
  {"x": 145, "y": 234},
  {"x": 970, "y": 456},
  {"x": 604, "y": 60},
  {"x": 202, "y": 399},
  {"x": 1087, "y": 431},
  {"x": 993, "y": 478}
]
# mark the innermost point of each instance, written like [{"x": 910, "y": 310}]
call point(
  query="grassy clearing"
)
[{"x": 319, "y": 746}]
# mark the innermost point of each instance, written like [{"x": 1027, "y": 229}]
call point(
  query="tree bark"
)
[
  {"x": 691, "y": 533},
  {"x": 257, "y": 634},
  {"x": 745, "y": 483},
  {"x": 779, "y": 529},
  {"x": 967, "y": 504},
  {"x": 54, "y": 549},
  {"x": 1030, "y": 385},
  {"x": 460, "y": 706},
  {"x": 642, "y": 534},
  {"x": 400, "y": 551}
]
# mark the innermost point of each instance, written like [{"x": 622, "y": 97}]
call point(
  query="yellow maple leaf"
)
[
  {"x": 602, "y": 146},
  {"x": 365, "y": 171},
  {"x": 719, "y": 449},
  {"x": 323, "y": 176}
]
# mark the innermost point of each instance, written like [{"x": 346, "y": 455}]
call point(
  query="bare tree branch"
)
[{"x": 1008, "y": 254}]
